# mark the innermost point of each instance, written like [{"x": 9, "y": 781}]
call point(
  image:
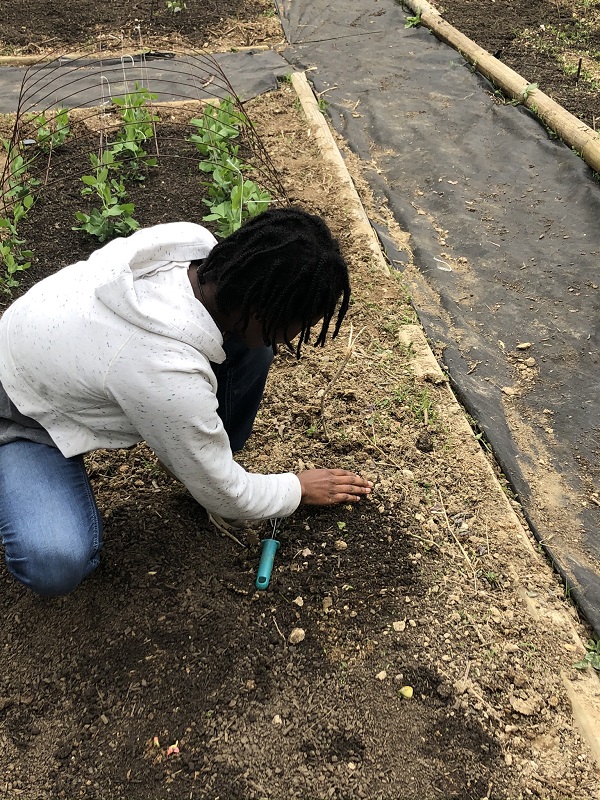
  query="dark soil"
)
[
  {"x": 30, "y": 26},
  {"x": 169, "y": 640},
  {"x": 543, "y": 41}
]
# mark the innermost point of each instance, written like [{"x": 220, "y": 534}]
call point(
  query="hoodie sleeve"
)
[{"x": 171, "y": 400}]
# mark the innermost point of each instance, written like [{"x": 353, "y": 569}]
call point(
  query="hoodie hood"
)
[{"x": 129, "y": 264}]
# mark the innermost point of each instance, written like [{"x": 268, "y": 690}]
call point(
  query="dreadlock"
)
[{"x": 282, "y": 267}]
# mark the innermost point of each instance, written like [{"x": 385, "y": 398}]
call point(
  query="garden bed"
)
[
  {"x": 423, "y": 589},
  {"x": 553, "y": 44},
  {"x": 35, "y": 27},
  {"x": 173, "y": 189}
]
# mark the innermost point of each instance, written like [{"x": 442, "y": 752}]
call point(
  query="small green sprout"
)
[
  {"x": 592, "y": 656},
  {"x": 413, "y": 22},
  {"x": 176, "y": 6},
  {"x": 50, "y": 135}
]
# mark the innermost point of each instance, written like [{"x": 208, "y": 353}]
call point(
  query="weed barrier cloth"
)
[
  {"x": 503, "y": 220},
  {"x": 174, "y": 78}
]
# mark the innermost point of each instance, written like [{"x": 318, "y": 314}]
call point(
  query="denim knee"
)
[
  {"x": 50, "y": 543},
  {"x": 49, "y": 571}
]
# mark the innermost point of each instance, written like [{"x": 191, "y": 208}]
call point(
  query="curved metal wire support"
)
[{"x": 88, "y": 88}]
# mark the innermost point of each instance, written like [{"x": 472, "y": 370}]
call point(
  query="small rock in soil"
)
[{"x": 296, "y": 636}]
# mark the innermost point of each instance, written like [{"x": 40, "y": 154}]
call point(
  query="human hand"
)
[{"x": 325, "y": 487}]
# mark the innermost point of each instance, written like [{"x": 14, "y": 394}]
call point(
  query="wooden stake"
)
[
  {"x": 571, "y": 130},
  {"x": 324, "y": 139}
]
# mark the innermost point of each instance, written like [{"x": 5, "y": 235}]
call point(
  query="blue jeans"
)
[{"x": 49, "y": 521}]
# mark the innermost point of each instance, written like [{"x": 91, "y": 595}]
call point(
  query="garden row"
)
[{"x": 127, "y": 154}]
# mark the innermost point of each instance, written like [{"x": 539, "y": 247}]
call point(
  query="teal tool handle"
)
[{"x": 267, "y": 556}]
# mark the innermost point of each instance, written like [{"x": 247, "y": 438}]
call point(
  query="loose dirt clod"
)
[{"x": 296, "y": 636}]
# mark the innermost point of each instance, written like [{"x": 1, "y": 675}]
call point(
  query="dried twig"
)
[
  {"x": 455, "y": 537},
  {"x": 279, "y": 631},
  {"x": 428, "y": 542}
]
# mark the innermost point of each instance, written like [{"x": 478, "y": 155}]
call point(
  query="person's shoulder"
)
[{"x": 183, "y": 231}]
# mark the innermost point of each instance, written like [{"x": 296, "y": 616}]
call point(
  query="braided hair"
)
[{"x": 283, "y": 267}]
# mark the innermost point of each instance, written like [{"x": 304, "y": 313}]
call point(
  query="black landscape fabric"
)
[
  {"x": 503, "y": 220},
  {"x": 87, "y": 82}
]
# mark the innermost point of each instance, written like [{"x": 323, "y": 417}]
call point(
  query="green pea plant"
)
[
  {"x": 114, "y": 217},
  {"x": 232, "y": 196},
  {"x": 18, "y": 200},
  {"x": 218, "y": 125},
  {"x": 12, "y": 258},
  {"x": 124, "y": 159},
  {"x": 246, "y": 200},
  {"x": 52, "y": 133},
  {"x": 137, "y": 129}
]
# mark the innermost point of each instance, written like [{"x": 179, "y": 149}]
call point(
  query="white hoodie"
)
[{"x": 116, "y": 349}]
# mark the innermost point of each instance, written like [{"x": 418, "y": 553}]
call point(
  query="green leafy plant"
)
[
  {"x": 20, "y": 183},
  {"x": 232, "y": 197},
  {"x": 137, "y": 129},
  {"x": 223, "y": 177},
  {"x": 176, "y": 6},
  {"x": 215, "y": 130},
  {"x": 18, "y": 211},
  {"x": 492, "y": 578},
  {"x": 18, "y": 200},
  {"x": 531, "y": 87},
  {"x": 14, "y": 260},
  {"x": 246, "y": 200},
  {"x": 413, "y": 22},
  {"x": 592, "y": 656},
  {"x": 51, "y": 134},
  {"x": 114, "y": 217}
]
